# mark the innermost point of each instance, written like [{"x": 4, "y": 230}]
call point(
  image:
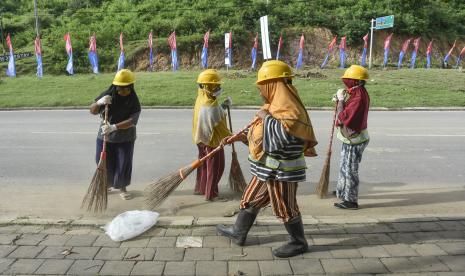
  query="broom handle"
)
[
  {"x": 230, "y": 126},
  {"x": 332, "y": 130},
  {"x": 105, "y": 137},
  {"x": 197, "y": 162}
]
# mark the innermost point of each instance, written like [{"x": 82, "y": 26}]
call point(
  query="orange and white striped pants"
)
[{"x": 281, "y": 195}]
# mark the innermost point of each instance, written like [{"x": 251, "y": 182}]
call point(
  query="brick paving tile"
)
[
  {"x": 83, "y": 253},
  {"x": 429, "y": 226},
  {"x": 31, "y": 229},
  {"x": 250, "y": 241},
  {"x": 337, "y": 266},
  {"x": 162, "y": 242},
  {"x": 174, "y": 232},
  {"x": 169, "y": 254},
  {"x": 352, "y": 239},
  {"x": 179, "y": 268},
  {"x": 23, "y": 266},
  {"x": 198, "y": 254},
  {"x": 140, "y": 254},
  {"x": 111, "y": 254},
  {"x": 405, "y": 226},
  {"x": 53, "y": 252},
  {"x": 306, "y": 266},
  {"x": 30, "y": 239},
  {"x": 272, "y": 241},
  {"x": 277, "y": 230},
  {"x": 7, "y": 239},
  {"x": 244, "y": 267},
  {"x": 216, "y": 241},
  {"x": 204, "y": 231},
  {"x": 311, "y": 229},
  {"x": 5, "y": 263},
  {"x": 428, "y": 249},
  {"x": 400, "y": 250},
  {"x": 148, "y": 268},
  {"x": 213, "y": 268},
  {"x": 9, "y": 229},
  {"x": 452, "y": 248},
  {"x": 318, "y": 252},
  {"x": 54, "y": 266},
  {"x": 455, "y": 263},
  {"x": 331, "y": 229},
  {"x": 85, "y": 267},
  {"x": 55, "y": 240},
  {"x": 53, "y": 231},
  {"x": 105, "y": 241},
  {"x": 276, "y": 267},
  {"x": 406, "y": 238},
  {"x": 6, "y": 249},
  {"x": 79, "y": 231},
  {"x": 81, "y": 240},
  {"x": 260, "y": 230},
  {"x": 257, "y": 253},
  {"x": 376, "y": 251},
  {"x": 431, "y": 263},
  {"x": 428, "y": 237},
  {"x": 452, "y": 235},
  {"x": 117, "y": 268},
  {"x": 328, "y": 239},
  {"x": 227, "y": 253},
  {"x": 345, "y": 252},
  {"x": 452, "y": 225},
  {"x": 378, "y": 239},
  {"x": 136, "y": 242},
  {"x": 368, "y": 265},
  {"x": 400, "y": 264},
  {"x": 26, "y": 252},
  {"x": 154, "y": 232}
]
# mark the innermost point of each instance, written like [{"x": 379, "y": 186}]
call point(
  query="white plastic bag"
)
[{"x": 130, "y": 224}]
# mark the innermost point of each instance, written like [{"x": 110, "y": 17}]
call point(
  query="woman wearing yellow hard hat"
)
[
  {"x": 123, "y": 115},
  {"x": 352, "y": 121},
  {"x": 208, "y": 129},
  {"x": 277, "y": 145}
]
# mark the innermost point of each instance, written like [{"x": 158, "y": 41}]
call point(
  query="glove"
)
[
  {"x": 107, "y": 129},
  {"x": 104, "y": 100},
  {"x": 340, "y": 94},
  {"x": 227, "y": 102}
]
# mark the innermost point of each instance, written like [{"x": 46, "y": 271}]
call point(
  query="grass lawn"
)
[{"x": 391, "y": 88}]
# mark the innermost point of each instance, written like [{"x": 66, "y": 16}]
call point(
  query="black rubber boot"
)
[
  {"x": 297, "y": 242},
  {"x": 238, "y": 232}
]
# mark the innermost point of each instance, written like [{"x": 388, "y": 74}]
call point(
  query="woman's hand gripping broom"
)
[
  {"x": 96, "y": 198},
  {"x": 158, "y": 191},
  {"x": 322, "y": 188},
  {"x": 236, "y": 179}
]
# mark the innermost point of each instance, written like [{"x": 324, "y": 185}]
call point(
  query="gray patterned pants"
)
[{"x": 347, "y": 183}]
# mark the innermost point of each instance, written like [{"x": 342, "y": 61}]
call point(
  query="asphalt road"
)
[{"x": 47, "y": 157}]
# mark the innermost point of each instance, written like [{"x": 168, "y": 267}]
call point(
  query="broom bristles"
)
[
  {"x": 158, "y": 191},
  {"x": 96, "y": 198},
  {"x": 236, "y": 177},
  {"x": 322, "y": 188}
]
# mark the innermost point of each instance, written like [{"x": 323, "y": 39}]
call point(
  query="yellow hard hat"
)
[
  {"x": 209, "y": 76},
  {"x": 273, "y": 69},
  {"x": 356, "y": 72},
  {"x": 124, "y": 77}
]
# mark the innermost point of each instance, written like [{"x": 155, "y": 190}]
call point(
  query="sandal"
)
[
  {"x": 111, "y": 190},
  {"x": 125, "y": 195}
]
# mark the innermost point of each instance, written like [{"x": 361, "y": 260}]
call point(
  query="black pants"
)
[{"x": 119, "y": 162}]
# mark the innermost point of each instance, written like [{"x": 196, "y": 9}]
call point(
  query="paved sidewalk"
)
[{"x": 423, "y": 246}]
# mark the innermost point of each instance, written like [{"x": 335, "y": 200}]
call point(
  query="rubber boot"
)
[
  {"x": 297, "y": 242},
  {"x": 238, "y": 232}
]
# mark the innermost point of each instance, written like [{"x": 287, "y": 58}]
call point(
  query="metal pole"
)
[
  {"x": 371, "y": 42},
  {"x": 37, "y": 17}
]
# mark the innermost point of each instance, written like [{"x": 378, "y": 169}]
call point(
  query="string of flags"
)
[{"x": 93, "y": 56}]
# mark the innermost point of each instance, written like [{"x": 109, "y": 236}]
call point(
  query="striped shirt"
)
[{"x": 281, "y": 149}]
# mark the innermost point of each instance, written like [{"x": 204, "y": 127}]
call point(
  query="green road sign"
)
[{"x": 384, "y": 22}]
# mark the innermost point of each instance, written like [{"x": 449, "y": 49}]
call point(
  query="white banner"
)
[
  {"x": 227, "y": 40},
  {"x": 265, "y": 37}
]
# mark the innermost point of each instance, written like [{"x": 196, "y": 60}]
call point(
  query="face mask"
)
[{"x": 218, "y": 92}]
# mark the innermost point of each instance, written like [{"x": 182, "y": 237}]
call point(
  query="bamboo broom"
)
[
  {"x": 236, "y": 179},
  {"x": 322, "y": 188},
  {"x": 158, "y": 191},
  {"x": 96, "y": 198}
]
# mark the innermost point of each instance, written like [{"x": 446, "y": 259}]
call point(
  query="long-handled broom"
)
[
  {"x": 96, "y": 198},
  {"x": 236, "y": 179},
  {"x": 158, "y": 191},
  {"x": 322, "y": 188}
]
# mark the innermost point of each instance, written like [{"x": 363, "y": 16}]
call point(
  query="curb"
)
[
  {"x": 456, "y": 108},
  {"x": 190, "y": 221}
]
